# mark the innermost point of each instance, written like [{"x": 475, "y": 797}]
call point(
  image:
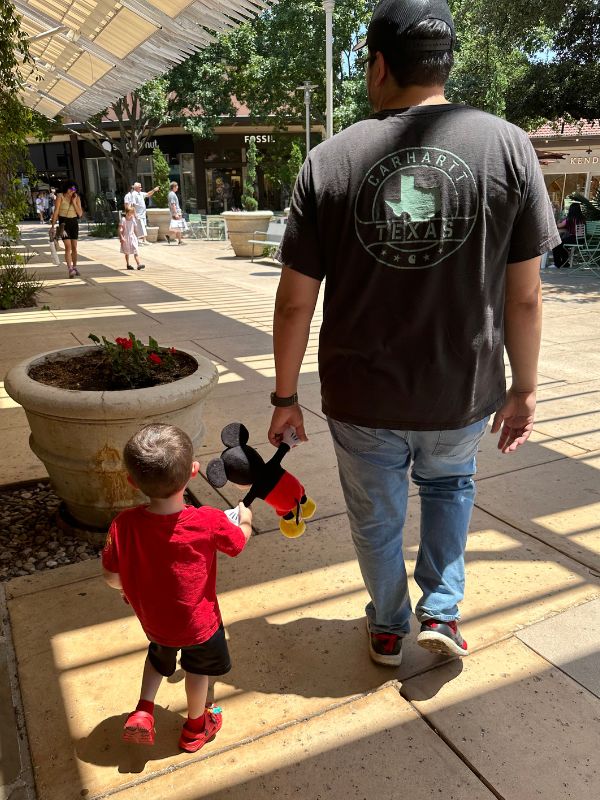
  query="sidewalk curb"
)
[{"x": 23, "y": 787}]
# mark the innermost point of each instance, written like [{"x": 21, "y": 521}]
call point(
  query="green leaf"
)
[{"x": 94, "y": 338}]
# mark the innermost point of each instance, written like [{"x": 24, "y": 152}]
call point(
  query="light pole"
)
[
  {"x": 328, "y": 6},
  {"x": 307, "y": 87}
]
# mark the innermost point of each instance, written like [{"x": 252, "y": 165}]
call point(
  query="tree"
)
[
  {"x": 192, "y": 95},
  {"x": 282, "y": 164},
  {"x": 566, "y": 84},
  {"x": 161, "y": 178},
  {"x": 249, "y": 201},
  {"x": 17, "y": 122}
]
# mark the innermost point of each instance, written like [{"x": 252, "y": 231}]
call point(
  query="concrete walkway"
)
[{"x": 306, "y": 714}]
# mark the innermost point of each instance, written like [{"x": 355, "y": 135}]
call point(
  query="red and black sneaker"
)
[
  {"x": 442, "y": 638},
  {"x": 385, "y": 648}
]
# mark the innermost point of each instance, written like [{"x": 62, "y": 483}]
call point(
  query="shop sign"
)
[
  {"x": 585, "y": 159},
  {"x": 261, "y": 138},
  {"x": 151, "y": 145}
]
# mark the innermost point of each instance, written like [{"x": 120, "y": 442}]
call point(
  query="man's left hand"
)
[{"x": 284, "y": 418}]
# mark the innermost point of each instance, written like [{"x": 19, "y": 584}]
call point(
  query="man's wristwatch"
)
[{"x": 284, "y": 402}]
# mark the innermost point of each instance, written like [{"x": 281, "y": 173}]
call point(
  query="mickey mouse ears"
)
[{"x": 234, "y": 434}]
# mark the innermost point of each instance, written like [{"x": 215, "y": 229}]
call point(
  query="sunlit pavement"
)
[{"x": 305, "y": 711}]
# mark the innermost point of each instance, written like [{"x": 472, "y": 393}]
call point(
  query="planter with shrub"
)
[
  {"x": 243, "y": 225},
  {"x": 84, "y": 403},
  {"x": 159, "y": 215}
]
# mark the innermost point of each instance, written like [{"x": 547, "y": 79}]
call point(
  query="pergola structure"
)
[{"x": 88, "y": 53}]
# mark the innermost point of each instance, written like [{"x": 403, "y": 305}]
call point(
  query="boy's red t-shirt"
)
[{"x": 168, "y": 568}]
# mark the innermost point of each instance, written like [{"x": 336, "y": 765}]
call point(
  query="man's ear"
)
[{"x": 195, "y": 469}]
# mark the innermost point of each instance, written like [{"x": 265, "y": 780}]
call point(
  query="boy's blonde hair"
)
[{"x": 159, "y": 459}]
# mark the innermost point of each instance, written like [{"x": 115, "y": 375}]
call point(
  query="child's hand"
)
[{"x": 244, "y": 515}]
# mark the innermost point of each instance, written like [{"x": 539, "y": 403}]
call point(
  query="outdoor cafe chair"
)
[{"x": 585, "y": 253}]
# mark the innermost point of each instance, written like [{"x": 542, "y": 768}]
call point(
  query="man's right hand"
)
[{"x": 516, "y": 420}]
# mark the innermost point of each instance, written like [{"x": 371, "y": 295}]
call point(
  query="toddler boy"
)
[{"x": 163, "y": 559}]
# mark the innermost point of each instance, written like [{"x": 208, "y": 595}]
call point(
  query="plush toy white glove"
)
[
  {"x": 290, "y": 437},
  {"x": 234, "y": 515}
]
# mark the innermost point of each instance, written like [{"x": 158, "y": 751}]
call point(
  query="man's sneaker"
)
[
  {"x": 385, "y": 648},
  {"x": 442, "y": 638},
  {"x": 141, "y": 266},
  {"x": 192, "y": 741}
]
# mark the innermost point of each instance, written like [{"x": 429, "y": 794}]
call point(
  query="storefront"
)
[
  {"x": 210, "y": 172},
  {"x": 570, "y": 160}
]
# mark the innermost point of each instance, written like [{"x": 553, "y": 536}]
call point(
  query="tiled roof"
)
[{"x": 560, "y": 128}]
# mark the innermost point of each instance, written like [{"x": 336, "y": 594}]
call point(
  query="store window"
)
[
  {"x": 561, "y": 186},
  {"x": 145, "y": 173},
  {"x": 575, "y": 183},
  {"x": 594, "y": 186},
  {"x": 223, "y": 189},
  {"x": 100, "y": 178},
  {"x": 187, "y": 188}
]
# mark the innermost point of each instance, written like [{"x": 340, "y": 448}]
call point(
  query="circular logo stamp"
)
[{"x": 416, "y": 207}]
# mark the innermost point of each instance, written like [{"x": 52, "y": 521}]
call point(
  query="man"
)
[
  {"x": 427, "y": 221},
  {"x": 136, "y": 198}
]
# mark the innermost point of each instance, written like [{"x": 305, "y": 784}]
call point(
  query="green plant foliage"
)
[
  {"x": 161, "y": 178},
  {"x": 249, "y": 201},
  {"x": 16, "y": 123},
  {"x": 104, "y": 230},
  {"x": 18, "y": 287},
  {"x": 133, "y": 364}
]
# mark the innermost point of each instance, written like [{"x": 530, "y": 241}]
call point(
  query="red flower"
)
[
  {"x": 172, "y": 351},
  {"x": 154, "y": 358},
  {"x": 126, "y": 344}
]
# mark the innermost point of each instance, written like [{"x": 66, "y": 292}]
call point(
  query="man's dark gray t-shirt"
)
[{"x": 412, "y": 216}]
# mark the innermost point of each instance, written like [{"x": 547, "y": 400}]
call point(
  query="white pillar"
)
[{"x": 328, "y": 6}]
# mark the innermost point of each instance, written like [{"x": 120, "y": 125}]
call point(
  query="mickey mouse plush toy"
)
[{"x": 241, "y": 464}]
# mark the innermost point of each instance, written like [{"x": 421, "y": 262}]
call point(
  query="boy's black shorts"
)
[{"x": 209, "y": 658}]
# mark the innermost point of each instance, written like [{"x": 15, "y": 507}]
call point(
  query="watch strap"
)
[{"x": 284, "y": 402}]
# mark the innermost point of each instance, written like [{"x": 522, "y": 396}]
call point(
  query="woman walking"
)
[{"x": 67, "y": 210}]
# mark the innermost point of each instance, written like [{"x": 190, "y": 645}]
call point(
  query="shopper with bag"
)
[
  {"x": 178, "y": 223},
  {"x": 67, "y": 210}
]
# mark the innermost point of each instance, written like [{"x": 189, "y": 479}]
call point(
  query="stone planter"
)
[
  {"x": 151, "y": 234},
  {"x": 79, "y": 436},
  {"x": 159, "y": 218},
  {"x": 242, "y": 226}
]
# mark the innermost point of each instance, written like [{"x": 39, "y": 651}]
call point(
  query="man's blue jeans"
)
[{"x": 373, "y": 465}]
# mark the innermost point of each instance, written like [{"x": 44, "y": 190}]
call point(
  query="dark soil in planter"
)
[{"x": 92, "y": 372}]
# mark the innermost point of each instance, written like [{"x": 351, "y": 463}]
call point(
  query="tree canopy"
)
[
  {"x": 500, "y": 67},
  {"x": 17, "y": 122}
]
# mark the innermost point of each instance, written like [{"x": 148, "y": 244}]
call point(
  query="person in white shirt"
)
[{"x": 136, "y": 198}]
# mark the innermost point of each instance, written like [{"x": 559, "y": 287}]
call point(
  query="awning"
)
[{"x": 88, "y": 53}]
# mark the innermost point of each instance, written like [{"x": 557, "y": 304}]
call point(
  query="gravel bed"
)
[{"x": 30, "y": 539}]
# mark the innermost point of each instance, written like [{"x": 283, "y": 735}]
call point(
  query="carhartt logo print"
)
[{"x": 416, "y": 207}]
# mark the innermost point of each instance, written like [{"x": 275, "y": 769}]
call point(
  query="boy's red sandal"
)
[
  {"x": 139, "y": 728},
  {"x": 191, "y": 741}
]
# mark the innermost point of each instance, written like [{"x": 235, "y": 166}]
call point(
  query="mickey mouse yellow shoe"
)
[
  {"x": 308, "y": 508},
  {"x": 290, "y": 528}
]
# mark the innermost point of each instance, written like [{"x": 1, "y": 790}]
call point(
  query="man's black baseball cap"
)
[{"x": 392, "y": 18}]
